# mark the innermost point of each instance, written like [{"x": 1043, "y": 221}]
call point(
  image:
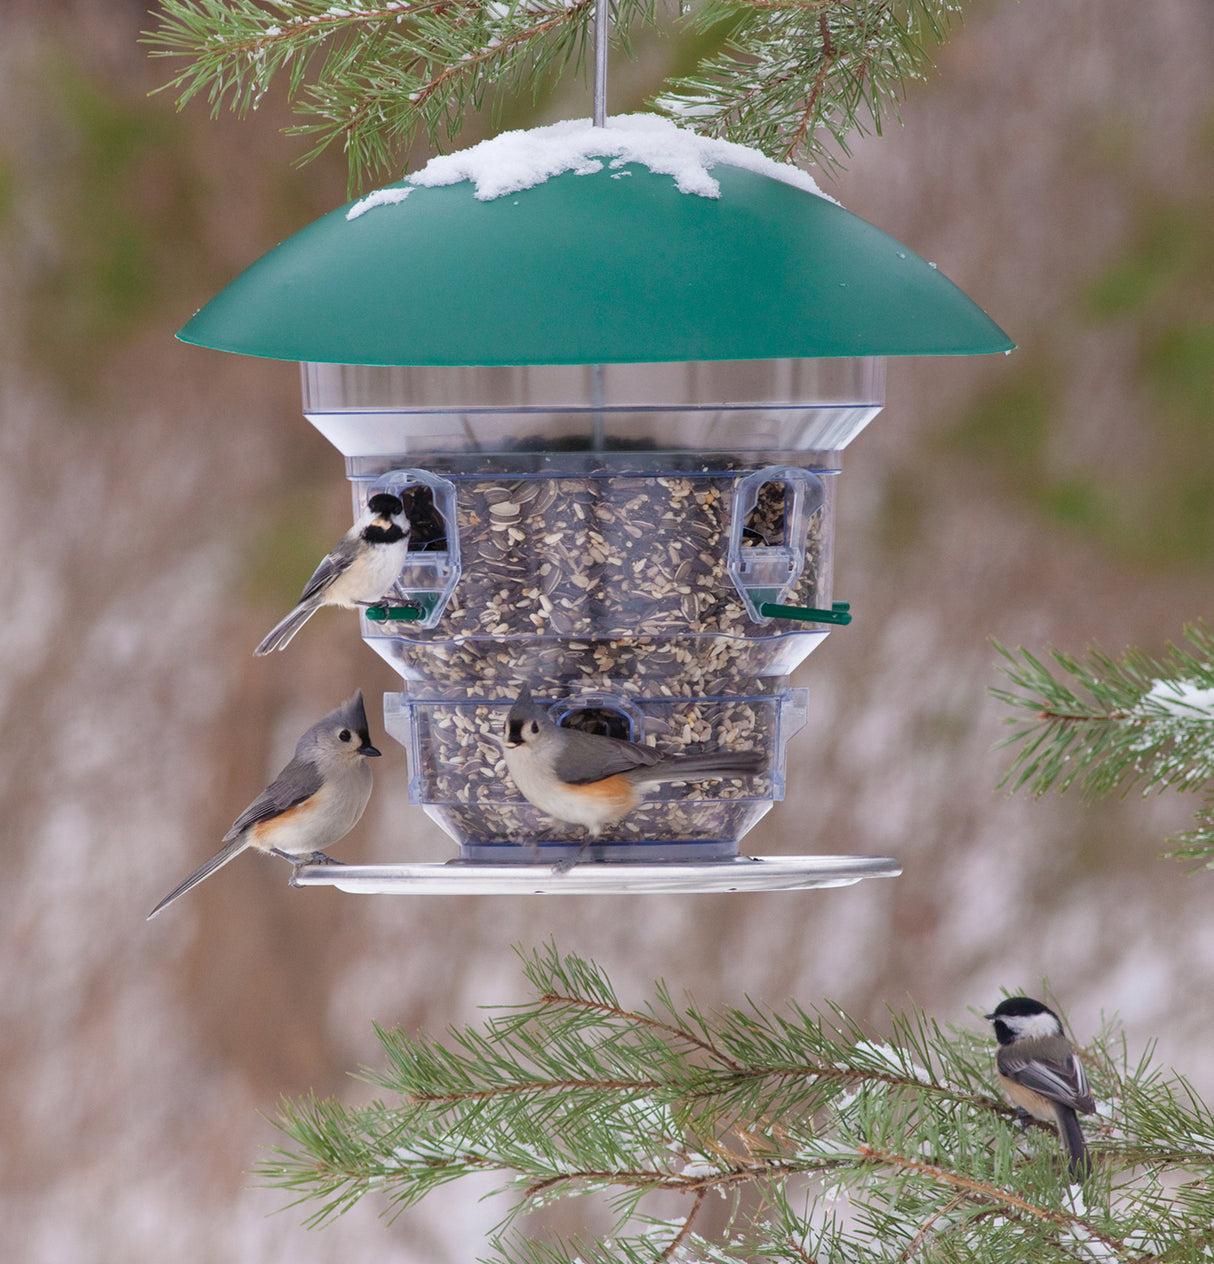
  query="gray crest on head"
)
[
  {"x": 323, "y": 735},
  {"x": 351, "y": 714},
  {"x": 524, "y": 708}
]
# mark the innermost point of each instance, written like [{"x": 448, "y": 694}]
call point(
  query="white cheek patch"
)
[{"x": 1034, "y": 1026}]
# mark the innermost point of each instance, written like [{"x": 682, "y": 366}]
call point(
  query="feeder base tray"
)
[{"x": 744, "y": 873}]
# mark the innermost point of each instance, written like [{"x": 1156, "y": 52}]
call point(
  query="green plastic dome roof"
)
[{"x": 613, "y": 266}]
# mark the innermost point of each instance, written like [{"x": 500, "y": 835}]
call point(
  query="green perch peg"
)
[
  {"x": 840, "y": 612},
  {"x": 391, "y": 614}
]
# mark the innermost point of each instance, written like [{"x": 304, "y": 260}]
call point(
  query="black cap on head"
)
[
  {"x": 1019, "y": 1007},
  {"x": 384, "y": 504}
]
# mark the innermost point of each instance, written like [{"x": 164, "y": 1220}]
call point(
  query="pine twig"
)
[
  {"x": 1113, "y": 725},
  {"x": 985, "y": 1192},
  {"x": 631, "y": 1016},
  {"x": 680, "y": 1237}
]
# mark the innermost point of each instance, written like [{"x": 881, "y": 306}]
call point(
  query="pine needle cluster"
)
[
  {"x": 796, "y": 79},
  {"x": 1115, "y": 725},
  {"x": 826, "y": 1143},
  {"x": 792, "y": 78}
]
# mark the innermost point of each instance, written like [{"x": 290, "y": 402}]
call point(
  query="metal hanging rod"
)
[{"x": 602, "y": 14}]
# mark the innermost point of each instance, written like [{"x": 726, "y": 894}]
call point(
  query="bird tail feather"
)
[
  {"x": 217, "y": 861},
  {"x": 279, "y": 637},
  {"x": 1078, "y": 1159},
  {"x": 708, "y": 766}
]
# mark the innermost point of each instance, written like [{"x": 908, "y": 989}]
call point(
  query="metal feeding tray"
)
[{"x": 456, "y": 877}]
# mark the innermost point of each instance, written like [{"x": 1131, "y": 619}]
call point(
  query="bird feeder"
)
[{"x": 611, "y": 371}]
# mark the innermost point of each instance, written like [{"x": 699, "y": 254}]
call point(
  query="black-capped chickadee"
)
[
  {"x": 360, "y": 570},
  {"x": 316, "y": 800},
  {"x": 591, "y": 780},
  {"x": 1040, "y": 1073}
]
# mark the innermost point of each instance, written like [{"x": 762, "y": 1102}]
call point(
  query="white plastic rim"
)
[{"x": 745, "y": 873}]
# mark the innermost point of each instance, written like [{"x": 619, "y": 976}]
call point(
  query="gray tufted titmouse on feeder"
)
[
  {"x": 591, "y": 780},
  {"x": 315, "y": 801}
]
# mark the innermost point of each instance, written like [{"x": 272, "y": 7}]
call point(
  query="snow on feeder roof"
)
[{"x": 571, "y": 244}]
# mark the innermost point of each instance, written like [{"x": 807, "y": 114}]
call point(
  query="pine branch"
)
[
  {"x": 794, "y": 79},
  {"x": 800, "y": 1107},
  {"x": 987, "y": 1196},
  {"x": 796, "y": 72},
  {"x": 1198, "y": 844},
  {"x": 1116, "y": 725},
  {"x": 372, "y": 77}
]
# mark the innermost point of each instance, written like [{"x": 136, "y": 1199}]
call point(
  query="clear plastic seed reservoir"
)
[
  {"x": 609, "y": 535},
  {"x": 457, "y": 772}
]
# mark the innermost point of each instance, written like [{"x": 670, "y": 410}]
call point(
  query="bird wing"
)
[
  {"x": 1060, "y": 1080},
  {"x": 590, "y": 757},
  {"x": 298, "y": 781},
  {"x": 332, "y": 565}
]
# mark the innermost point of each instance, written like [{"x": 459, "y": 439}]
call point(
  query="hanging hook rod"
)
[{"x": 602, "y": 12}]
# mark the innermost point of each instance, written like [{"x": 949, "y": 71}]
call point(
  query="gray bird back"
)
[{"x": 587, "y": 757}]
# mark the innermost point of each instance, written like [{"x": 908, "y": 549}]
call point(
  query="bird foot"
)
[
  {"x": 563, "y": 866},
  {"x": 306, "y": 858}
]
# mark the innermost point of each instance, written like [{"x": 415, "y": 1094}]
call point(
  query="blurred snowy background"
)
[{"x": 162, "y": 505}]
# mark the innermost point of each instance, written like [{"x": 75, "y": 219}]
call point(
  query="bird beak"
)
[
  {"x": 990, "y": 1018},
  {"x": 368, "y": 749}
]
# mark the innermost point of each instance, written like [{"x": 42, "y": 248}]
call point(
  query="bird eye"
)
[
  {"x": 535, "y": 728},
  {"x": 344, "y": 735}
]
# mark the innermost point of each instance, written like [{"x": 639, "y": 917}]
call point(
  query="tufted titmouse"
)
[
  {"x": 360, "y": 570},
  {"x": 591, "y": 780},
  {"x": 315, "y": 801},
  {"x": 1040, "y": 1073}
]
